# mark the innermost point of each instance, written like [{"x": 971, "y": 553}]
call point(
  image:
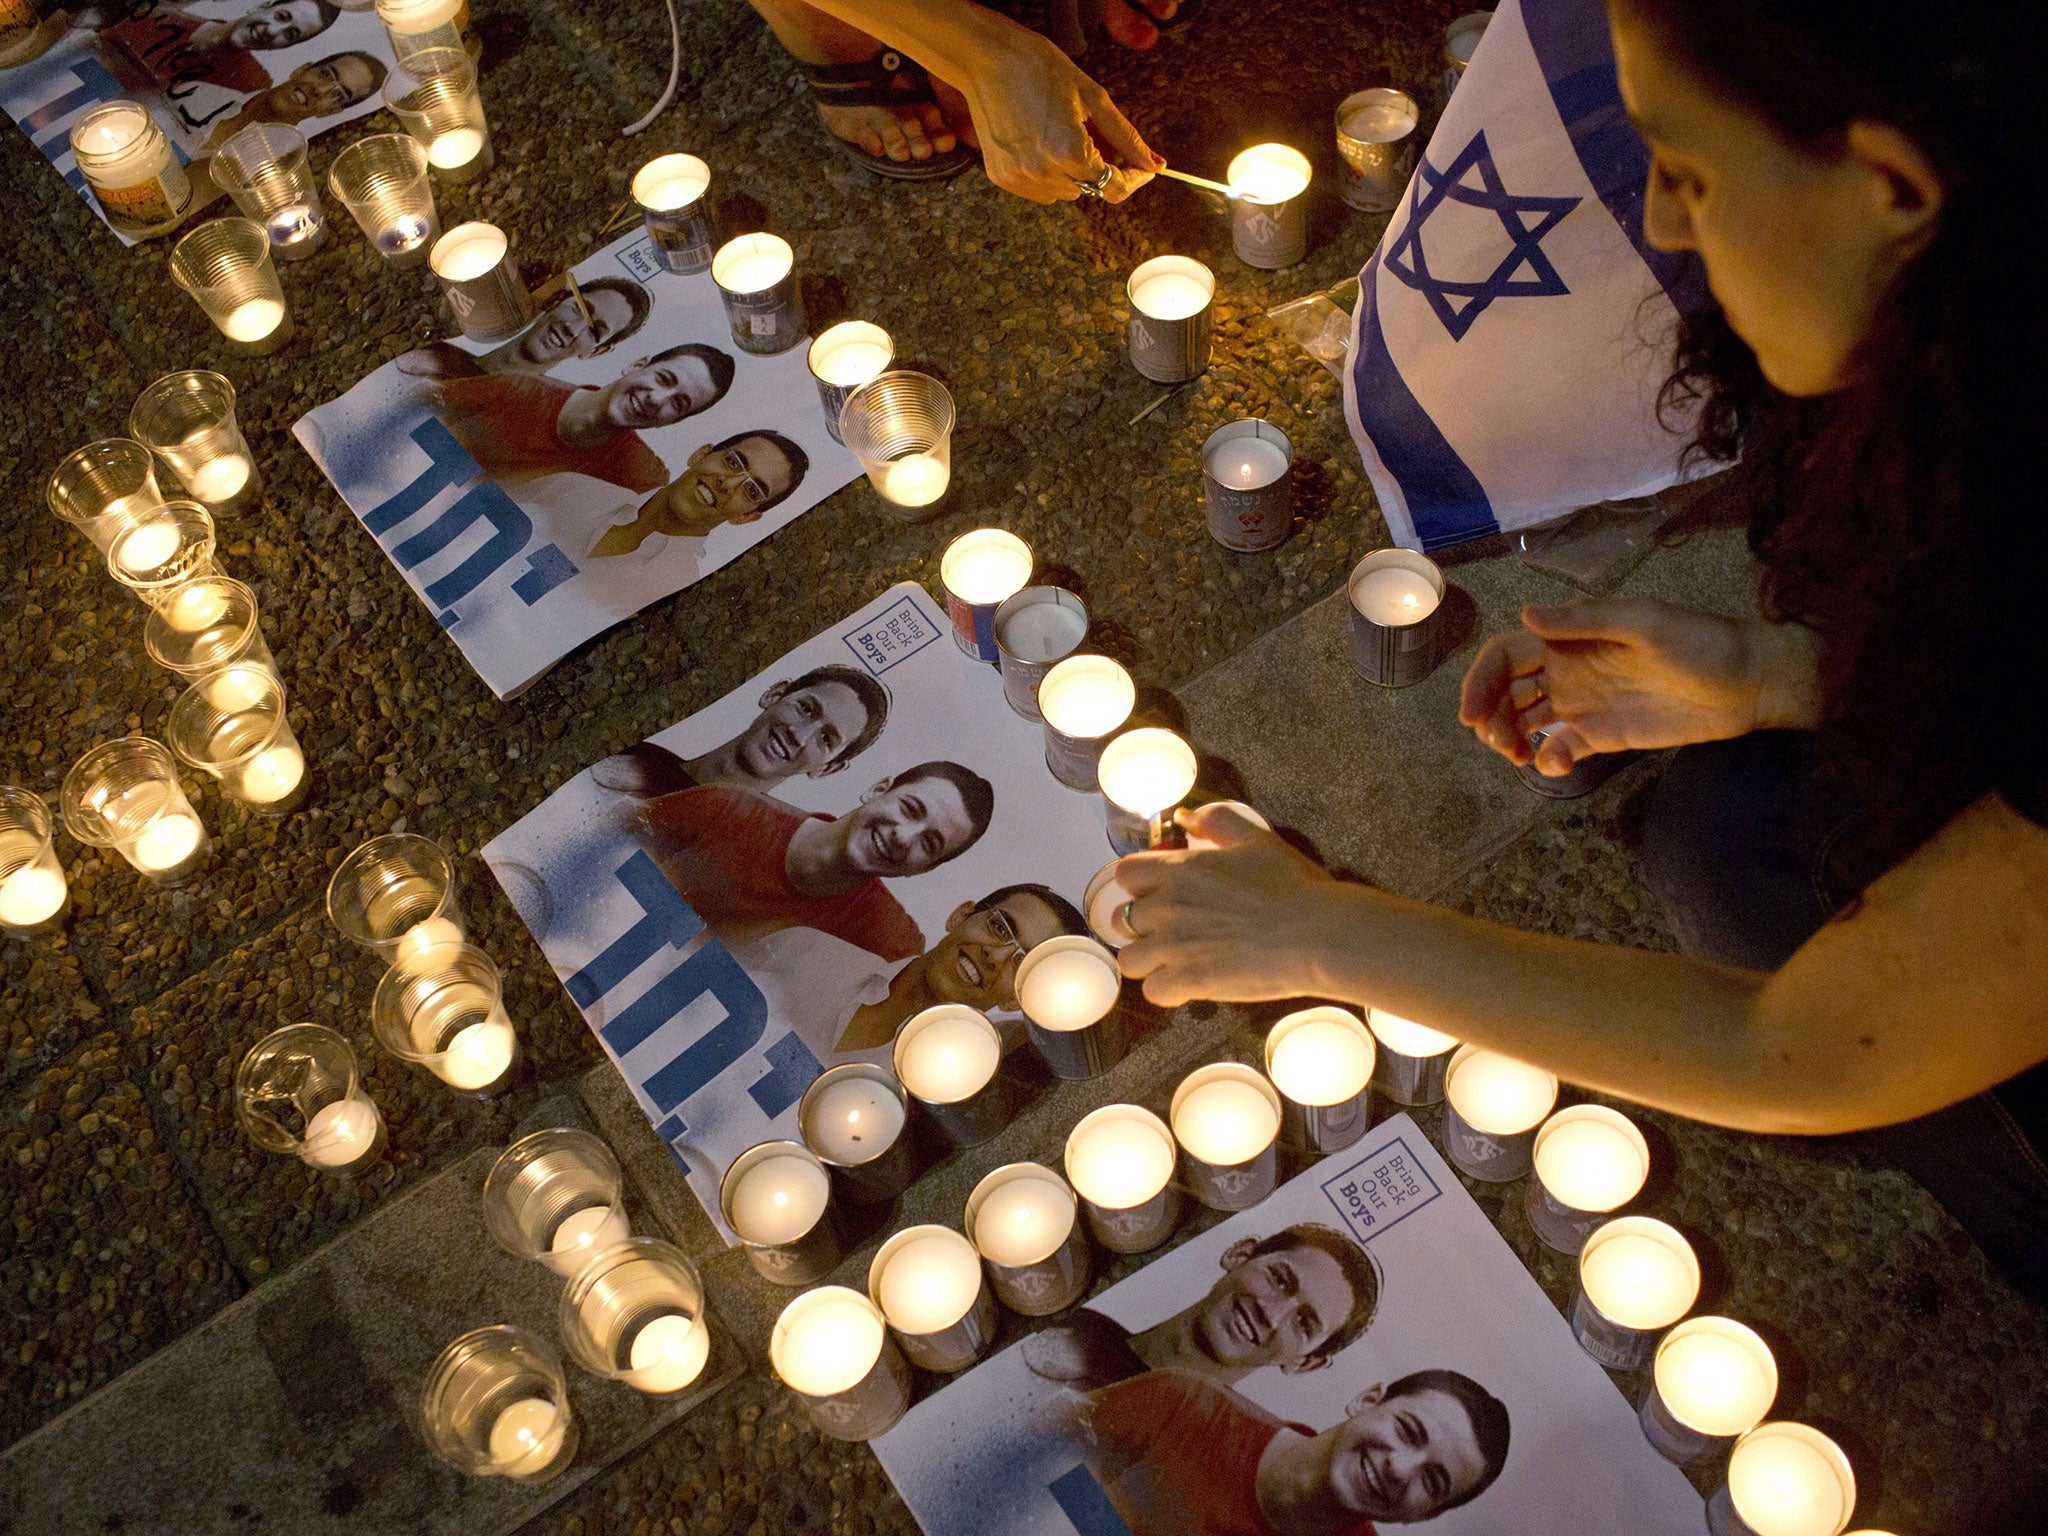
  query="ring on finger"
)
[
  {"x": 1095, "y": 187},
  {"x": 1124, "y": 915}
]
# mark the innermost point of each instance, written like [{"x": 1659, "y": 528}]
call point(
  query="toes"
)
[
  {"x": 870, "y": 141},
  {"x": 1132, "y": 29},
  {"x": 934, "y": 121},
  {"x": 894, "y": 144}
]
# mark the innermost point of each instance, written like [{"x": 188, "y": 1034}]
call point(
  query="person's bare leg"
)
[{"x": 915, "y": 131}]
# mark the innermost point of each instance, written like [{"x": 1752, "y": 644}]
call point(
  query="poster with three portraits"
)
[{"x": 537, "y": 491}]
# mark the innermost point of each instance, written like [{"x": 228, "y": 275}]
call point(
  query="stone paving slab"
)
[{"x": 298, "y": 1407}]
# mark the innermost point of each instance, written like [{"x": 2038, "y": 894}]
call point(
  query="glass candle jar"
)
[
  {"x": 188, "y": 420},
  {"x": 128, "y": 163},
  {"x": 160, "y": 550},
  {"x": 635, "y": 1313},
  {"x": 263, "y": 168},
  {"x": 231, "y": 724},
  {"x": 225, "y": 265},
  {"x": 433, "y": 93},
  {"x": 33, "y": 890},
  {"x": 204, "y": 625},
  {"x": 125, "y": 795},
  {"x": 496, "y": 1404},
  {"x": 443, "y": 1008},
  {"x": 900, "y": 426},
  {"x": 556, "y": 1197},
  {"x": 395, "y": 896},
  {"x": 297, "y": 1091},
  {"x": 382, "y": 181}
]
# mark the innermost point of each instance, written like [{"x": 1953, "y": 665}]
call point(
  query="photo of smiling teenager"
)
[{"x": 736, "y": 481}]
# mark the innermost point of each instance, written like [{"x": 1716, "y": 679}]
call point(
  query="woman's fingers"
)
[
  {"x": 1561, "y": 751},
  {"x": 1123, "y": 144},
  {"x": 1592, "y": 618}
]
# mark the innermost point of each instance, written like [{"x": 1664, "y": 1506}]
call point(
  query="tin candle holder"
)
[
  {"x": 1637, "y": 1276},
  {"x": 34, "y": 895},
  {"x": 444, "y": 1010},
  {"x": 1172, "y": 301},
  {"x": 775, "y": 1198},
  {"x": 1784, "y": 1479},
  {"x": 103, "y": 485},
  {"x": 263, "y": 168},
  {"x": 844, "y": 357},
  {"x": 225, "y": 265},
  {"x": 127, "y": 161},
  {"x": 853, "y": 1117},
  {"x": 1376, "y": 143},
  {"x": 1103, "y": 904},
  {"x": 1495, "y": 1104},
  {"x": 1461, "y": 41},
  {"x": 382, "y": 181},
  {"x": 634, "y": 1312},
  {"x": 158, "y": 551},
  {"x": 1321, "y": 1060},
  {"x": 1036, "y": 628},
  {"x": 1269, "y": 213},
  {"x": 188, "y": 420},
  {"x": 980, "y": 571},
  {"x": 1590, "y": 1162},
  {"x": 1408, "y": 1067},
  {"x": 927, "y": 1282},
  {"x": 496, "y": 1404},
  {"x": 1084, "y": 700},
  {"x": 231, "y": 724},
  {"x": 297, "y": 1091},
  {"x": 756, "y": 277},
  {"x": 125, "y": 795},
  {"x": 949, "y": 1059},
  {"x": 556, "y": 1197},
  {"x": 480, "y": 281},
  {"x": 1144, "y": 773},
  {"x": 395, "y": 896},
  {"x": 1711, "y": 1380},
  {"x": 1024, "y": 1222},
  {"x": 673, "y": 195},
  {"x": 1120, "y": 1161},
  {"x": 1395, "y": 622},
  {"x": 1070, "y": 990},
  {"x": 831, "y": 1347},
  {"x": 433, "y": 95},
  {"x": 900, "y": 426},
  {"x": 205, "y": 625},
  {"x": 1248, "y": 485},
  {"x": 1226, "y": 1117},
  {"x": 416, "y": 25}
]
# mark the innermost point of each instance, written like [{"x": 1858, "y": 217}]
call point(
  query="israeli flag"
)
[{"x": 1512, "y": 328}]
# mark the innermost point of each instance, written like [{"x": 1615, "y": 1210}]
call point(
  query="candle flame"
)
[{"x": 781, "y": 1198}]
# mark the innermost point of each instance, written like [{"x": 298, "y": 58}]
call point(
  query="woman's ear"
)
[{"x": 1907, "y": 195}]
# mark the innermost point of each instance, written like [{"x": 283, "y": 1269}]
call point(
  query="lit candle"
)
[
  {"x": 590, "y": 1230},
  {"x": 478, "y": 1055},
  {"x": 252, "y": 320},
  {"x": 669, "y": 1353},
  {"x": 340, "y": 1133},
  {"x": 1146, "y": 771},
  {"x": 146, "y": 546},
  {"x": 1103, "y": 903},
  {"x": 525, "y": 1436},
  {"x": 1024, "y": 1220},
  {"x": 128, "y": 161},
  {"x": 273, "y": 774},
  {"x": 30, "y": 895},
  {"x": 469, "y": 252},
  {"x": 1378, "y": 122},
  {"x": 947, "y": 1054},
  {"x": 1041, "y": 632},
  {"x": 1637, "y": 1276},
  {"x": 1588, "y": 1158},
  {"x": 827, "y": 1341},
  {"x": 1226, "y": 1121},
  {"x": 1320, "y": 1056},
  {"x": 779, "y": 1199},
  {"x": 167, "y": 842},
  {"x": 1405, "y": 1037},
  {"x": 1248, "y": 463},
  {"x": 669, "y": 182},
  {"x": 849, "y": 354},
  {"x": 1170, "y": 296},
  {"x": 929, "y": 1281},
  {"x": 1497, "y": 1094},
  {"x": 238, "y": 689},
  {"x": 1269, "y": 173},
  {"x": 403, "y": 232},
  {"x": 752, "y": 263},
  {"x": 454, "y": 149},
  {"x": 1069, "y": 989},
  {"x": 1715, "y": 1376},
  {"x": 853, "y": 1120},
  {"x": 197, "y": 604},
  {"x": 1787, "y": 1479},
  {"x": 985, "y": 566},
  {"x": 916, "y": 480},
  {"x": 1395, "y": 596},
  {"x": 416, "y": 946},
  {"x": 1120, "y": 1157},
  {"x": 1086, "y": 696}
]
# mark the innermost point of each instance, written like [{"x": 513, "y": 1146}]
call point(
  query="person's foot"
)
[
  {"x": 1132, "y": 25},
  {"x": 913, "y": 131}
]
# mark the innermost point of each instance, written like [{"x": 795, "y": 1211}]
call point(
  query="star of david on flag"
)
[{"x": 1513, "y": 329}]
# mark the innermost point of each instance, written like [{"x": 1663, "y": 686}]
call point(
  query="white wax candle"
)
[
  {"x": 1405, "y": 1037},
  {"x": 272, "y": 774},
  {"x": 929, "y": 1282},
  {"x": 1639, "y": 1273},
  {"x": 1378, "y": 122},
  {"x": 1225, "y": 1122},
  {"x": 1248, "y": 463},
  {"x": 986, "y": 565},
  {"x": 196, "y": 606},
  {"x": 142, "y": 549},
  {"x": 851, "y": 353},
  {"x": 412, "y": 17},
  {"x": 1068, "y": 990},
  {"x": 478, "y": 1056},
  {"x": 417, "y": 946},
  {"x": 218, "y": 479},
  {"x": 826, "y": 1341},
  {"x": 1715, "y": 1376},
  {"x": 253, "y": 320},
  {"x": 1042, "y": 631},
  {"x": 1461, "y": 45},
  {"x": 752, "y": 263},
  {"x": 454, "y": 149},
  {"x": 30, "y": 895},
  {"x": 917, "y": 480},
  {"x": 1119, "y": 1161},
  {"x": 167, "y": 842},
  {"x": 1789, "y": 1480},
  {"x": 339, "y": 1133},
  {"x": 1146, "y": 770},
  {"x": 1170, "y": 296},
  {"x": 237, "y": 689},
  {"x": 853, "y": 1120},
  {"x": 668, "y": 182},
  {"x": 526, "y": 1436},
  {"x": 1497, "y": 1094},
  {"x": 948, "y": 1056},
  {"x": 1590, "y": 1158},
  {"x": 1269, "y": 173},
  {"x": 590, "y": 1230},
  {"x": 779, "y": 1199},
  {"x": 1086, "y": 696},
  {"x": 1325, "y": 1059},
  {"x": 669, "y": 1353},
  {"x": 467, "y": 252},
  {"x": 1395, "y": 596},
  {"x": 1106, "y": 912},
  {"x": 1024, "y": 1221}
]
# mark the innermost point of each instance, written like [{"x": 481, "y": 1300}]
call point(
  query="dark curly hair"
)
[{"x": 1885, "y": 516}]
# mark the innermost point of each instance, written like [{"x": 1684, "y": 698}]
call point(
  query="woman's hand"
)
[
  {"x": 1619, "y": 672},
  {"x": 1245, "y": 921}
]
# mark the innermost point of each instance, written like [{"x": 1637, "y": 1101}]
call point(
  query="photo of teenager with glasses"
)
[{"x": 735, "y": 481}]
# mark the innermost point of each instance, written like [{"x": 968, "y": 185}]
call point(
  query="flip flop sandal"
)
[{"x": 887, "y": 80}]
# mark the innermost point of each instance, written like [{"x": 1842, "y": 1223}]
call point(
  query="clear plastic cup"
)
[
  {"x": 900, "y": 427},
  {"x": 297, "y": 1091},
  {"x": 382, "y": 181},
  {"x": 225, "y": 264},
  {"x": 433, "y": 93},
  {"x": 263, "y": 168},
  {"x": 231, "y": 724},
  {"x": 158, "y": 551},
  {"x": 188, "y": 420},
  {"x": 102, "y": 486}
]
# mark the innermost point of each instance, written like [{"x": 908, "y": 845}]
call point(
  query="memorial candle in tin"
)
[
  {"x": 1710, "y": 1380},
  {"x": 1496, "y": 1103},
  {"x": 1395, "y": 621},
  {"x": 1589, "y": 1161},
  {"x": 831, "y": 1347},
  {"x": 947, "y": 1059},
  {"x": 927, "y": 1281},
  {"x": 1248, "y": 485},
  {"x": 1268, "y": 211},
  {"x": 1637, "y": 1276},
  {"x": 1226, "y": 1118},
  {"x": 673, "y": 194},
  {"x": 1143, "y": 773},
  {"x": 756, "y": 278},
  {"x": 1025, "y": 1222},
  {"x": 775, "y": 1198},
  {"x": 1409, "y": 1066},
  {"x": 1035, "y": 629},
  {"x": 1069, "y": 988},
  {"x": 852, "y": 1117},
  {"x": 1784, "y": 1479},
  {"x": 1376, "y": 143},
  {"x": 1084, "y": 700},
  {"x": 981, "y": 570},
  {"x": 1120, "y": 1161},
  {"x": 1321, "y": 1060},
  {"x": 1171, "y": 299},
  {"x": 844, "y": 357}
]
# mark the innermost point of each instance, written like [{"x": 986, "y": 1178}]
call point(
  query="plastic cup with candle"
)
[
  {"x": 1248, "y": 484},
  {"x": 1590, "y": 1161},
  {"x": 1120, "y": 1161},
  {"x": 382, "y": 181},
  {"x": 1321, "y": 1060},
  {"x": 947, "y": 1059},
  {"x": 263, "y": 168},
  {"x": 844, "y": 357},
  {"x": 774, "y": 1198},
  {"x": 671, "y": 191},
  {"x": 188, "y": 420},
  {"x": 1376, "y": 142},
  {"x": 390, "y": 886},
  {"x": 446, "y": 1013},
  {"x": 1710, "y": 1380},
  {"x": 1637, "y": 1276},
  {"x": 1034, "y": 630},
  {"x": 555, "y": 1197},
  {"x": 159, "y": 550},
  {"x": 1268, "y": 213},
  {"x": 1024, "y": 1221},
  {"x": 480, "y": 281},
  {"x": 1409, "y": 1066},
  {"x": 205, "y": 627},
  {"x": 1394, "y": 626},
  {"x": 1784, "y": 1479},
  {"x": 1085, "y": 700},
  {"x": 297, "y": 1092},
  {"x": 125, "y": 795},
  {"x": 927, "y": 1281},
  {"x": 852, "y": 1117},
  {"x": 1226, "y": 1117},
  {"x": 1143, "y": 773},
  {"x": 102, "y": 486},
  {"x": 1069, "y": 989},
  {"x": 231, "y": 724},
  {"x": 981, "y": 570},
  {"x": 900, "y": 426},
  {"x": 496, "y": 1404},
  {"x": 831, "y": 1347},
  {"x": 33, "y": 891},
  {"x": 1171, "y": 299},
  {"x": 1495, "y": 1105},
  {"x": 433, "y": 95},
  {"x": 633, "y": 1311},
  {"x": 225, "y": 265},
  {"x": 127, "y": 161},
  {"x": 756, "y": 277}
]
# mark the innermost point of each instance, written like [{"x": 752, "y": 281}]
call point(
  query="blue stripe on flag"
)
[
  {"x": 1446, "y": 503},
  {"x": 1083, "y": 1502}
]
